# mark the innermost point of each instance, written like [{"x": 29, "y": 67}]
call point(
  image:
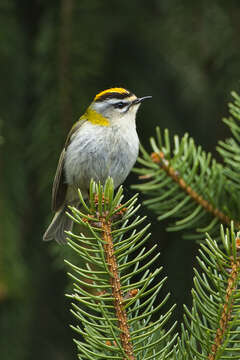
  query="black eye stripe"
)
[{"x": 120, "y": 105}]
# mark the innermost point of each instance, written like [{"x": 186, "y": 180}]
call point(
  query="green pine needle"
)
[{"x": 94, "y": 299}]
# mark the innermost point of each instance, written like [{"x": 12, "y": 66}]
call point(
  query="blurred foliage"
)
[{"x": 54, "y": 57}]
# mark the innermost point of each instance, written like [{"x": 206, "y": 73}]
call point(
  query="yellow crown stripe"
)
[{"x": 116, "y": 90}]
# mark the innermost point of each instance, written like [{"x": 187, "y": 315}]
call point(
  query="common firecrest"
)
[{"x": 102, "y": 143}]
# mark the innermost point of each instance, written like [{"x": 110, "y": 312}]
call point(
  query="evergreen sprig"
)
[
  {"x": 211, "y": 329},
  {"x": 114, "y": 297},
  {"x": 230, "y": 149},
  {"x": 184, "y": 182}
]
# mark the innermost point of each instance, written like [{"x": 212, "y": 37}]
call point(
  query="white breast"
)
[{"x": 96, "y": 152}]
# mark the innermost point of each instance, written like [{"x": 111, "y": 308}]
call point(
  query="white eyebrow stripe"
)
[{"x": 116, "y": 101}]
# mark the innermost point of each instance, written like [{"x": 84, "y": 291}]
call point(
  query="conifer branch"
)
[
  {"x": 115, "y": 321},
  {"x": 116, "y": 288},
  {"x": 227, "y": 308},
  {"x": 229, "y": 149},
  {"x": 115, "y": 306},
  {"x": 172, "y": 173},
  {"x": 159, "y": 158},
  {"x": 211, "y": 329}
]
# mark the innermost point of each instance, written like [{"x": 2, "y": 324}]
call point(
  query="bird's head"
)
[{"x": 114, "y": 105}]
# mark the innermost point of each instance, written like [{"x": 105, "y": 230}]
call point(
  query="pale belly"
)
[{"x": 98, "y": 152}]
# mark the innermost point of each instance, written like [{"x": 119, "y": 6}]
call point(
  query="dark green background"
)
[{"x": 54, "y": 57}]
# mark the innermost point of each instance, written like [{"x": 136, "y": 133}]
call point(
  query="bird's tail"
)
[{"x": 60, "y": 223}]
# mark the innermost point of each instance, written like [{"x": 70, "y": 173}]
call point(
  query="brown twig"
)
[
  {"x": 159, "y": 158},
  {"x": 116, "y": 289},
  {"x": 227, "y": 309}
]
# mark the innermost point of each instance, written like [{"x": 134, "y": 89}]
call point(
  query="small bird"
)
[{"x": 102, "y": 143}]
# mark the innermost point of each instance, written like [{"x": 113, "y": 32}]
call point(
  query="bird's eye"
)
[{"x": 120, "y": 105}]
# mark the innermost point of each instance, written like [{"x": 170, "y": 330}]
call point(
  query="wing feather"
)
[
  {"x": 59, "y": 188},
  {"x": 59, "y": 185}
]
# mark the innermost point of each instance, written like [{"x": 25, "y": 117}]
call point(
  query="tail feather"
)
[{"x": 56, "y": 230}]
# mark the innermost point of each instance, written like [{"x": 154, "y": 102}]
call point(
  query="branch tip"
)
[{"x": 158, "y": 158}]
